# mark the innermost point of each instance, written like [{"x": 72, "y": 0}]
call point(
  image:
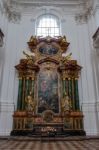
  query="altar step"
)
[{"x": 37, "y": 134}]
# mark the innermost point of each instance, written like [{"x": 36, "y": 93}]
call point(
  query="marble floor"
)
[{"x": 92, "y": 144}]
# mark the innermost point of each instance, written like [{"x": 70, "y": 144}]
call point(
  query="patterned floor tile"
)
[{"x": 49, "y": 145}]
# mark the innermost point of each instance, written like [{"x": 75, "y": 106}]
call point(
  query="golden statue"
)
[
  {"x": 30, "y": 103},
  {"x": 66, "y": 58},
  {"x": 30, "y": 58},
  {"x": 66, "y": 104}
]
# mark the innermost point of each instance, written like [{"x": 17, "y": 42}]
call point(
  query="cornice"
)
[
  {"x": 25, "y": 6},
  {"x": 81, "y": 8},
  {"x": 48, "y": 2}
]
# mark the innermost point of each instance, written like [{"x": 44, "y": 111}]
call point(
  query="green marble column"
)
[
  {"x": 63, "y": 87},
  {"x": 19, "y": 103},
  {"x": 70, "y": 92},
  {"x": 27, "y": 87},
  {"x": 70, "y": 87},
  {"x": 67, "y": 87},
  {"x": 76, "y": 95},
  {"x": 32, "y": 87},
  {"x": 25, "y": 91},
  {"x": 23, "y": 94},
  {"x": 73, "y": 94}
]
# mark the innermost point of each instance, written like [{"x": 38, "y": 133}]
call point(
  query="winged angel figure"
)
[
  {"x": 30, "y": 58},
  {"x": 66, "y": 58}
]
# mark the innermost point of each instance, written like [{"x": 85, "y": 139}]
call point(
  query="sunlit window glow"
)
[{"x": 48, "y": 25}]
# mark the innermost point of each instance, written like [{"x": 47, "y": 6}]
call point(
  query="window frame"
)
[{"x": 55, "y": 20}]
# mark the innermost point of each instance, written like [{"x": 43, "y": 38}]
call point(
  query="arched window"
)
[{"x": 48, "y": 25}]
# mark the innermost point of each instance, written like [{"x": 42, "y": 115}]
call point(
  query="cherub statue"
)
[
  {"x": 66, "y": 58},
  {"x": 30, "y": 58},
  {"x": 30, "y": 103}
]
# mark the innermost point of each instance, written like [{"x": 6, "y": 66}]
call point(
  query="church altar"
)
[{"x": 48, "y": 94}]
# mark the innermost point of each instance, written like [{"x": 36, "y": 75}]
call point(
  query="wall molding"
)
[
  {"x": 89, "y": 107},
  {"x": 7, "y": 107}
]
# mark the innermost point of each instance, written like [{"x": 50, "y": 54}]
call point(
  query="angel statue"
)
[
  {"x": 30, "y": 103},
  {"x": 34, "y": 40},
  {"x": 66, "y": 58},
  {"x": 30, "y": 58},
  {"x": 64, "y": 39}
]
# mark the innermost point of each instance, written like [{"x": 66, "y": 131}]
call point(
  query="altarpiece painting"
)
[{"x": 48, "y": 94}]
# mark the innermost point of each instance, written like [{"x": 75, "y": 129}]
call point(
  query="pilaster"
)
[{"x": 6, "y": 112}]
